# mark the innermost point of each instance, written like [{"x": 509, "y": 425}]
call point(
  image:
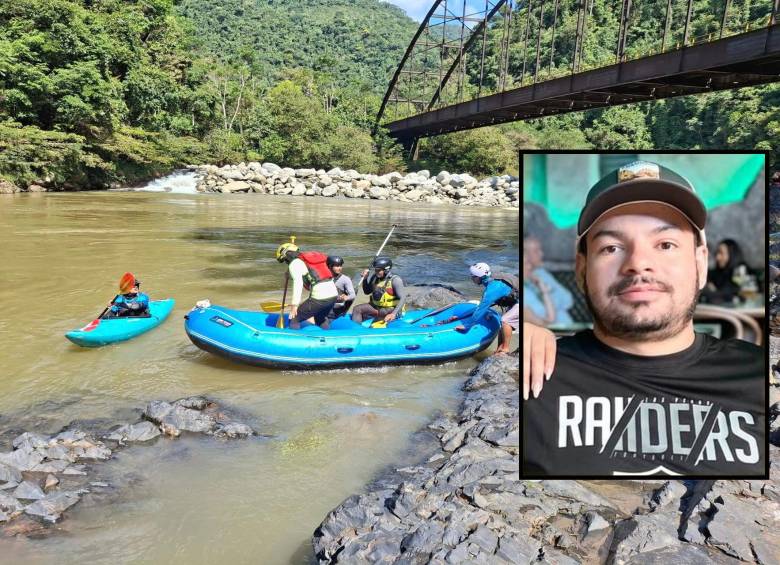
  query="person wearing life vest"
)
[
  {"x": 130, "y": 301},
  {"x": 308, "y": 269},
  {"x": 502, "y": 290},
  {"x": 344, "y": 286},
  {"x": 386, "y": 294}
]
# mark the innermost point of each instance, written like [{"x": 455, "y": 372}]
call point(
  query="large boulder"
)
[
  {"x": 421, "y": 297},
  {"x": 271, "y": 167},
  {"x": 330, "y": 190},
  {"x": 235, "y": 186},
  {"x": 298, "y": 189},
  {"x": 379, "y": 192},
  {"x": 7, "y": 187}
]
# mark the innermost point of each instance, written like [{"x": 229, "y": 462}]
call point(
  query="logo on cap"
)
[{"x": 637, "y": 170}]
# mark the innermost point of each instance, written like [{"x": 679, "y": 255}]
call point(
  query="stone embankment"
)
[
  {"x": 42, "y": 476},
  {"x": 268, "y": 178},
  {"x": 467, "y": 503}
]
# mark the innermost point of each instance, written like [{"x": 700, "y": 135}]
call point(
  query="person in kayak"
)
[
  {"x": 344, "y": 286},
  {"x": 309, "y": 269},
  {"x": 130, "y": 301},
  {"x": 501, "y": 290},
  {"x": 385, "y": 291}
]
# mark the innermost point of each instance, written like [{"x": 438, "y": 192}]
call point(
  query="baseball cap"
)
[{"x": 642, "y": 181}]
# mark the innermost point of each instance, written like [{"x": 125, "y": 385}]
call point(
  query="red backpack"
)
[{"x": 316, "y": 262}]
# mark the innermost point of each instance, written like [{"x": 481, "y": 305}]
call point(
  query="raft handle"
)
[
  {"x": 412, "y": 347},
  {"x": 345, "y": 349}
]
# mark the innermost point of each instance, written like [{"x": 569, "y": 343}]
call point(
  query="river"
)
[{"x": 324, "y": 434}]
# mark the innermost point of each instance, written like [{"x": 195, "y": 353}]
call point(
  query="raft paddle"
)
[
  {"x": 437, "y": 311},
  {"x": 280, "y": 322},
  {"x": 360, "y": 282},
  {"x": 272, "y": 306}
]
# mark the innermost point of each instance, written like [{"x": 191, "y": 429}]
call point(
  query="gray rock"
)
[
  {"x": 285, "y": 189},
  {"x": 353, "y": 193},
  {"x": 20, "y": 459},
  {"x": 7, "y": 187},
  {"x": 194, "y": 402},
  {"x": 298, "y": 189},
  {"x": 156, "y": 410},
  {"x": 235, "y": 186},
  {"x": 52, "y": 506},
  {"x": 29, "y": 441},
  {"x": 142, "y": 431},
  {"x": 186, "y": 419},
  {"x": 9, "y": 473},
  {"x": 330, "y": 190},
  {"x": 29, "y": 491},
  {"x": 56, "y": 466},
  {"x": 426, "y": 538},
  {"x": 9, "y": 504},
  {"x": 271, "y": 167},
  {"x": 234, "y": 430},
  {"x": 595, "y": 522},
  {"x": 484, "y": 538},
  {"x": 3, "y": 516},
  {"x": 378, "y": 192}
]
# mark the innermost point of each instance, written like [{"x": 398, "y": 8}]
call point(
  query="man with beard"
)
[{"x": 641, "y": 393}]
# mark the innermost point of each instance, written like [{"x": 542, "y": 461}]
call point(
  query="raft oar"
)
[
  {"x": 437, "y": 311},
  {"x": 272, "y": 306},
  {"x": 280, "y": 323},
  {"x": 360, "y": 282}
]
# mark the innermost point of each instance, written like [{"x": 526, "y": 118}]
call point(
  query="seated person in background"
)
[
  {"x": 560, "y": 297},
  {"x": 721, "y": 286},
  {"x": 538, "y": 308},
  {"x": 343, "y": 285},
  {"x": 131, "y": 301}
]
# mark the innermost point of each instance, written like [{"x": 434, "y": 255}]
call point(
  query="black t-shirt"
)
[{"x": 605, "y": 412}]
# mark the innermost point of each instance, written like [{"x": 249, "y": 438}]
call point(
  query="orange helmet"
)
[{"x": 126, "y": 283}]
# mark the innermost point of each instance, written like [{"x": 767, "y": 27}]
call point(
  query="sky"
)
[{"x": 416, "y": 9}]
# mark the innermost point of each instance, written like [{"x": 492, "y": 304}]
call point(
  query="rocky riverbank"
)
[
  {"x": 43, "y": 476},
  {"x": 467, "y": 503},
  {"x": 421, "y": 186}
]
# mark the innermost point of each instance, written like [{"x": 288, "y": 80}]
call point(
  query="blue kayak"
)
[
  {"x": 253, "y": 338},
  {"x": 104, "y": 331}
]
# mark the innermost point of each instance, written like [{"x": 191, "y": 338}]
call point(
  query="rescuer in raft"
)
[
  {"x": 130, "y": 301},
  {"x": 385, "y": 291},
  {"x": 309, "y": 269},
  {"x": 344, "y": 286}
]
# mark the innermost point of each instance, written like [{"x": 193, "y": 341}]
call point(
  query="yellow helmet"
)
[{"x": 283, "y": 249}]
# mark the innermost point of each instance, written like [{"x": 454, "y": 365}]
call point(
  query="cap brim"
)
[{"x": 645, "y": 190}]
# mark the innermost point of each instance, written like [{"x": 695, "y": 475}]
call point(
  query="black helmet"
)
[
  {"x": 334, "y": 260},
  {"x": 382, "y": 263}
]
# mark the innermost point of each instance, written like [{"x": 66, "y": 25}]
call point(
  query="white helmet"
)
[{"x": 480, "y": 270}]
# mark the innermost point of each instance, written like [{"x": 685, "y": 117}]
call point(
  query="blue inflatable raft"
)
[
  {"x": 253, "y": 338},
  {"x": 104, "y": 331}
]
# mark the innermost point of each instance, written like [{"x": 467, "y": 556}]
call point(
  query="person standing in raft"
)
[
  {"x": 343, "y": 285},
  {"x": 500, "y": 290},
  {"x": 385, "y": 291},
  {"x": 309, "y": 269},
  {"x": 130, "y": 301}
]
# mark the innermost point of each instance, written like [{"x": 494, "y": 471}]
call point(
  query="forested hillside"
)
[{"x": 100, "y": 91}]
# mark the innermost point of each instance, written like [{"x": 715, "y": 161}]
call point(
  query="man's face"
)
[
  {"x": 642, "y": 272},
  {"x": 380, "y": 273},
  {"x": 337, "y": 269},
  {"x": 533, "y": 250}
]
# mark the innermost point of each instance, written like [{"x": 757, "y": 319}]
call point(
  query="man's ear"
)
[
  {"x": 579, "y": 270},
  {"x": 702, "y": 254}
]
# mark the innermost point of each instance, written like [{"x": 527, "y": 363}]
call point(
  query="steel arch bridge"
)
[{"x": 474, "y": 63}]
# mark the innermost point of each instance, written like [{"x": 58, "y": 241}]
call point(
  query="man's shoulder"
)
[{"x": 736, "y": 349}]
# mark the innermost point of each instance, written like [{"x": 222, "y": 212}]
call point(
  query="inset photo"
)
[{"x": 648, "y": 272}]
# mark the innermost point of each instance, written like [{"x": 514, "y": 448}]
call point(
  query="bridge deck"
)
[{"x": 742, "y": 60}]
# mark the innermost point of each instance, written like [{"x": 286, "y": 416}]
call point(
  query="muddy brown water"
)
[{"x": 196, "y": 499}]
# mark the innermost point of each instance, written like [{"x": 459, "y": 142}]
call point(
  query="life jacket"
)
[
  {"x": 316, "y": 262},
  {"x": 514, "y": 282},
  {"x": 387, "y": 299}
]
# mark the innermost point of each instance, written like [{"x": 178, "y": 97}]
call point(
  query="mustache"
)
[{"x": 628, "y": 282}]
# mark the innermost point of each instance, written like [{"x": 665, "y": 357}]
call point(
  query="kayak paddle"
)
[
  {"x": 280, "y": 323},
  {"x": 360, "y": 282}
]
